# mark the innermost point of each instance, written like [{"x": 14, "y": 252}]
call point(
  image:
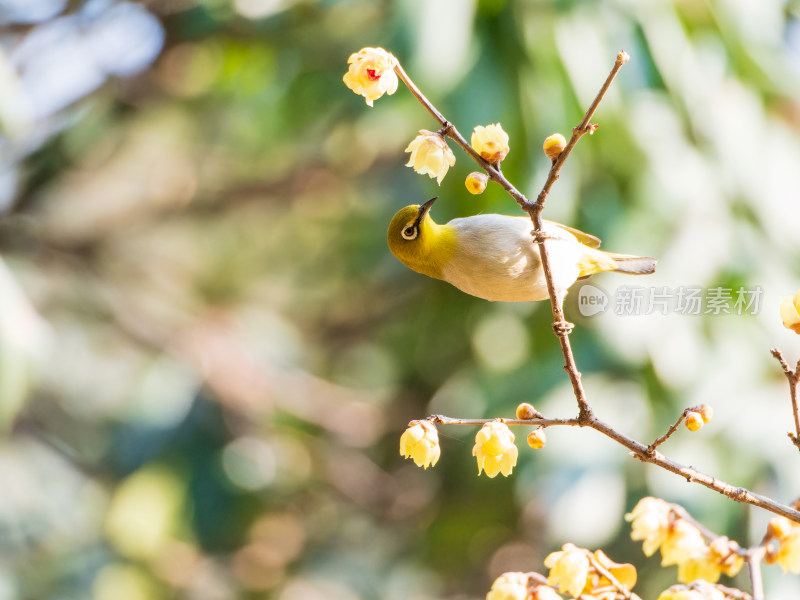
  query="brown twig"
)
[
  {"x": 660, "y": 440},
  {"x": 753, "y": 557},
  {"x": 623, "y": 590},
  {"x": 794, "y": 382}
]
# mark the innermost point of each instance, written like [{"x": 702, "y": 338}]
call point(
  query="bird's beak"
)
[{"x": 424, "y": 208}]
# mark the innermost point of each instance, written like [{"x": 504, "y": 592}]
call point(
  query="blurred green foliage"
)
[{"x": 207, "y": 353}]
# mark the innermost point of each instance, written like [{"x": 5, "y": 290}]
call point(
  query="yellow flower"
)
[
  {"x": 420, "y": 442},
  {"x": 430, "y": 155},
  {"x": 537, "y": 438},
  {"x": 699, "y": 590},
  {"x": 544, "y": 592},
  {"x": 790, "y": 312},
  {"x": 371, "y": 73},
  {"x": 476, "y": 182},
  {"x": 706, "y": 411},
  {"x": 789, "y": 551},
  {"x": 554, "y": 145},
  {"x": 684, "y": 543},
  {"x": 509, "y": 586},
  {"x": 703, "y": 566},
  {"x": 724, "y": 552},
  {"x": 651, "y": 519},
  {"x": 569, "y": 569},
  {"x": 495, "y": 450},
  {"x": 491, "y": 142},
  {"x": 624, "y": 573},
  {"x": 780, "y": 527}
]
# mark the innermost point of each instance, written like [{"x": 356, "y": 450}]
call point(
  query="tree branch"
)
[{"x": 794, "y": 382}]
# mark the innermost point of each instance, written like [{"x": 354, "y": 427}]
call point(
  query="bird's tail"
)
[{"x": 597, "y": 261}]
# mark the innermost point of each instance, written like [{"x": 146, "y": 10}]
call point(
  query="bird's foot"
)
[
  {"x": 563, "y": 328},
  {"x": 540, "y": 236}
]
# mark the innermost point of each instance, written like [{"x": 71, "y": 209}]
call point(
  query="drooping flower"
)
[
  {"x": 569, "y": 569},
  {"x": 491, "y": 142},
  {"x": 430, "y": 155},
  {"x": 724, "y": 552},
  {"x": 650, "y": 521},
  {"x": 624, "y": 573},
  {"x": 702, "y": 566},
  {"x": 421, "y": 443},
  {"x": 495, "y": 450},
  {"x": 509, "y": 586},
  {"x": 537, "y": 438},
  {"x": 790, "y": 312},
  {"x": 683, "y": 543},
  {"x": 476, "y": 182},
  {"x": 789, "y": 551},
  {"x": 371, "y": 73}
]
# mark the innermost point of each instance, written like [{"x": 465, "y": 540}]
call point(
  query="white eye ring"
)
[{"x": 409, "y": 233}]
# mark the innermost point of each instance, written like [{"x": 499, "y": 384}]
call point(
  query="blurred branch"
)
[
  {"x": 660, "y": 440},
  {"x": 794, "y": 383}
]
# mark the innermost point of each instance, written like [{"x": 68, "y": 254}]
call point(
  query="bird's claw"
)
[
  {"x": 540, "y": 236},
  {"x": 563, "y": 328}
]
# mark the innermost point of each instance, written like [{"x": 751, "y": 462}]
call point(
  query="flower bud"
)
[
  {"x": 537, "y": 438},
  {"x": 491, "y": 142},
  {"x": 706, "y": 411},
  {"x": 420, "y": 442},
  {"x": 526, "y": 411},
  {"x": 476, "y": 182},
  {"x": 694, "y": 421},
  {"x": 554, "y": 145},
  {"x": 780, "y": 527}
]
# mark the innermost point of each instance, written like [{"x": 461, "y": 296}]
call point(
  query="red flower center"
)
[{"x": 373, "y": 74}]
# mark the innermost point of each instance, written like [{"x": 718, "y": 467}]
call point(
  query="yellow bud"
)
[
  {"x": 476, "y": 182},
  {"x": 537, "y": 438},
  {"x": 554, "y": 145},
  {"x": 706, "y": 412},
  {"x": 694, "y": 421},
  {"x": 526, "y": 411}
]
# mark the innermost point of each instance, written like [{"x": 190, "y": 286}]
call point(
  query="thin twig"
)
[
  {"x": 660, "y": 440},
  {"x": 794, "y": 382},
  {"x": 623, "y": 590},
  {"x": 753, "y": 557}
]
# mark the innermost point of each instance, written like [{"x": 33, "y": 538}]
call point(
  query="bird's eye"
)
[{"x": 409, "y": 233}]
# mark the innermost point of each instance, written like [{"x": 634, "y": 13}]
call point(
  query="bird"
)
[{"x": 495, "y": 257}]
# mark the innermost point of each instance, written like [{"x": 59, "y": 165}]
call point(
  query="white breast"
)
[{"x": 497, "y": 259}]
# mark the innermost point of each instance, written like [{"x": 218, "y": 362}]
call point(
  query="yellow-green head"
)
[{"x": 420, "y": 243}]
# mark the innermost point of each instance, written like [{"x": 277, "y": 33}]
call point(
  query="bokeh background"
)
[{"x": 207, "y": 352}]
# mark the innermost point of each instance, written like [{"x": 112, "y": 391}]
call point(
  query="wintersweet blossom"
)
[
  {"x": 421, "y": 442},
  {"x": 724, "y": 552},
  {"x": 789, "y": 551},
  {"x": 569, "y": 569},
  {"x": 371, "y": 73},
  {"x": 702, "y": 566},
  {"x": 684, "y": 543},
  {"x": 544, "y": 592},
  {"x": 495, "y": 450},
  {"x": 699, "y": 590},
  {"x": 509, "y": 586},
  {"x": 624, "y": 573},
  {"x": 430, "y": 155},
  {"x": 491, "y": 142},
  {"x": 790, "y": 312},
  {"x": 554, "y": 145},
  {"x": 650, "y": 521}
]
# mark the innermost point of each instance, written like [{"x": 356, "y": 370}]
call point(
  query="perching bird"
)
[{"x": 495, "y": 256}]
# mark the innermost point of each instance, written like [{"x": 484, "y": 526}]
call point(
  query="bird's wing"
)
[{"x": 586, "y": 239}]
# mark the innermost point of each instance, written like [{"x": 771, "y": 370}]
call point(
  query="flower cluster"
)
[
  {"x": 790, "y": 312},
  {"x": 659, "y": 526},
  {"x": 371, "y": 73},
  {"x": 578, "y": 572},
  {"x": 787, "y": 535},
  {"x": 495, "y": 450}
]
